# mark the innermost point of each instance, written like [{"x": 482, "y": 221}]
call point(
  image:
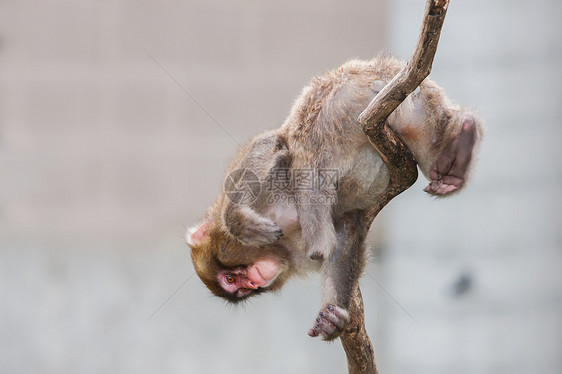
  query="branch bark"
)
[{"x": 398, "y": 159}]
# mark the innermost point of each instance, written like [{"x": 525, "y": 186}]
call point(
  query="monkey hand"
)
[
  {"x": 330, "y": 322},
  {"x": 256, "y": 230}
]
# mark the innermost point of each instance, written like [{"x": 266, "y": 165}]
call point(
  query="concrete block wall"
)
[
  {"x": 503, "y": 232},
  {"x": 98, "y": 129},
  {"x": 105, "y": 159}
]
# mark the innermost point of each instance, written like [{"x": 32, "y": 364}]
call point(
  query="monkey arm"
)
[
  {"x": 246, "y": 191},
  {"x": 340, "y": 275}
]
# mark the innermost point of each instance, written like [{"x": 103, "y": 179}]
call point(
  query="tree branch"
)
[
  {"x": 356, "y": 343},
  {"x": 398, "y": 159}
]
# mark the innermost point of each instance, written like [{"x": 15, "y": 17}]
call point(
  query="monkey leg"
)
[
  {"x": 449, "y": 172},
  {"x": 340, "y": 273}
]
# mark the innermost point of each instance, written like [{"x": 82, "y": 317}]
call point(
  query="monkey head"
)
[{"x": 232, "y": 270}]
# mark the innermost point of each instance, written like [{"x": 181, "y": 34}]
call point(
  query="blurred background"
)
[{"x": 118, "y": 118}]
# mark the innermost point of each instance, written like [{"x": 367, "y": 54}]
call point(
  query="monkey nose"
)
[{"x": 252, "y": 285}]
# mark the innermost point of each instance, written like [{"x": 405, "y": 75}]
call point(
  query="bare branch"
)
[
  {"x": 416, "y": 70},
  {"x": 356, "y": 342},
  {"x": 401, "y": 165}
]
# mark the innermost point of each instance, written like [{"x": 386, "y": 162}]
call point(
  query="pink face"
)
[{"x": 243, "y": 281}]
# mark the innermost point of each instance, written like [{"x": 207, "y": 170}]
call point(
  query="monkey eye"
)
[{"x": 229, "y": 279}]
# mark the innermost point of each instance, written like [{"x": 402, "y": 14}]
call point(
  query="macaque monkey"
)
[{"x": 293, "y": 197}]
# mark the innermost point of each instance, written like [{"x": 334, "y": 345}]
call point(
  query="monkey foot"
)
[
  {"x": 330, "y": 322},
  {"x": 449, "y": 172}
]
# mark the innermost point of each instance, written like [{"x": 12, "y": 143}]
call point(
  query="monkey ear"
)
[{"x": 197, "y": 234}]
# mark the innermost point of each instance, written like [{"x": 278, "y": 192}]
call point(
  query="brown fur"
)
[{"x": 322, "y": 132}]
